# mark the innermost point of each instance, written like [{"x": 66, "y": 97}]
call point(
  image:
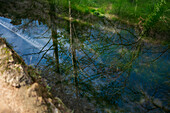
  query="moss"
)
[
  {"x": 2, "y": 72},
  {"x": 18, "y": 69}
]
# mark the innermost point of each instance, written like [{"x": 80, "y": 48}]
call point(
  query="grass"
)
[
  {"x": 123, "y": 8},
  {"x": 127, "y": 11}
]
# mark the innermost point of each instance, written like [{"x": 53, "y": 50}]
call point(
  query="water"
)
[
  {"x": 17, "y": 38},
  {"x": 117, "y": 72}
]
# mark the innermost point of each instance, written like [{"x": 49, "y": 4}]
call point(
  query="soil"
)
[
  {"x": 18, "y": 92},
  {"x": 7, "y": 98}
]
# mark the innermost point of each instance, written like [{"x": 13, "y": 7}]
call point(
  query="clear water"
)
[{"x": 117, "y": 72}]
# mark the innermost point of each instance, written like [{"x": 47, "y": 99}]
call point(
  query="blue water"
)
[
  {"x": 25, "y": 46},
  {"x": 105, "y": 64}
]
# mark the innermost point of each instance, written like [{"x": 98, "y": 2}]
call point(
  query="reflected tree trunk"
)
[
  {"x": 54, "y": 33},
  {"x": 55, "y": 45},
  {"x": 73, "y": 53},
  {"x": 55, "y": 36}
]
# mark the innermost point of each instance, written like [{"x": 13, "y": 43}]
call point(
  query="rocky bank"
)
[{"x": 21, "y": 89}]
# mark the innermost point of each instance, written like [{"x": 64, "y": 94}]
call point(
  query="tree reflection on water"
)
[{"x": 105, "y": 67}]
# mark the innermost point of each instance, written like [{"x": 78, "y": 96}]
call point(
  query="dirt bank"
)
[{"x": 19, "y": 92}]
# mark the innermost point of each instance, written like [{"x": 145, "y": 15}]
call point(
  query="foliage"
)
[
  {"x": 122, "y": 8},
  {"x": 154, "y": 17}
]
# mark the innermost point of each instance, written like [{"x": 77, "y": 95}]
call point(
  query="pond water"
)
[{"x": 116, "y": 70}]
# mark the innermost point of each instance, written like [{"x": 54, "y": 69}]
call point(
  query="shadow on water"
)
[{"x": 113, "y": 69}]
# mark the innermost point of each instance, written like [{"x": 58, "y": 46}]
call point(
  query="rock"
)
[
  {"x": 10, "y": 70},
  {"x": 157, "y": 102},
  {"x": 32, "y": 91}
]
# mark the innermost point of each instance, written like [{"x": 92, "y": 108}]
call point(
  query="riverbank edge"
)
[{"x": 23, "y": 78}]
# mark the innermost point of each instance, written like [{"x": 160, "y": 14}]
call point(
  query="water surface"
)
[{"x": 116, "y": 70}]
